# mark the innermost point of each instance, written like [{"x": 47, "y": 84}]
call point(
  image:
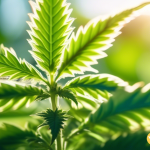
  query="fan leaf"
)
[
  {"x": 16, "y": 68},
  {"x": 136, "y": 141},
  {"x": 127, "y": 110},
  {"x": 14, "y": 96},
  {"x": 124, "y": 111},
  {"x": 93, "y": 141},
  {"x": 50, "y": 25},
  {"x": 95, "y": 86},
  {"x": 85, "y": 106},
  {"x": 12, "y": 138},
  {"x": 90, "y": 42},
  {"x": 55, "y": 121},
  {"x": 65, "y": 93}
]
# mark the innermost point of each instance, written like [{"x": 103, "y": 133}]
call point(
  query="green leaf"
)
[
  {"x": 50, "y": 29},
  {"x": 92, "y": 141},
  {"x": 87, "y": 102},
  {"x": 14, "y": 96},
  {"x": 65, "y": 93},
  {"x": 85, "y": 141},
  {"x": 95, "y": 86},
  {"x": 12, "y": 138},
  {"x": 55, "y": 121},
  {"x": 132, "y": 141},
  {"x": 42, "y": 97},
  {"x": 85, "y": 106},
  {"x": 90, "y": 42},
  {"x": 16, "y": 68},
  {"x": 125, "y": 111}
]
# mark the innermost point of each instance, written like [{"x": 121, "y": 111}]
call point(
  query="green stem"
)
[
  {"x": 54, "y": 107},
  {"x": 59, "y": 141},
  {"x": 54, "y": 101}
]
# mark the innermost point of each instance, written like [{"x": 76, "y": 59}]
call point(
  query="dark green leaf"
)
[
  {"x": 55, "y": 121},
  {"x": 12, "y": 137},
  {"x": 125, "y": 111},
  {"x": 133, "y": 141}
]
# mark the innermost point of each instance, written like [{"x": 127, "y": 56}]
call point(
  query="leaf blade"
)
[
  {"x": 14, "y": 96},
  {"x": 90, "y": 42},
  {"x": 50, "y": 28},
  {"x": 68, "y": 94},
  {"x": 132, "y": 140},
  {"x": 13, "y": 137},
  {"x": 125, "y": 111},
  {"x": 55, "y": 121},
  {"x": 16, "y": 68},
  {"x": 96, "y": 86}
]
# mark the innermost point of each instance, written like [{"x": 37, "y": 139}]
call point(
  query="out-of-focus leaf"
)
[
  {"x": 12, "y": 137},
  {"x": 133, "y": 141},
  {"x": 125, "y": 111}
]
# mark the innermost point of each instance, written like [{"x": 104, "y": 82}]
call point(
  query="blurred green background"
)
[{"x": 128, "y": 58}]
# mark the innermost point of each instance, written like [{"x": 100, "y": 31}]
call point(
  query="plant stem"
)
[
  {"x": 54, "y": 101},
  {"x": 59, "y": 137},
  {"x": 54, "y": 107},
  {"x": 59, "y": 141}
]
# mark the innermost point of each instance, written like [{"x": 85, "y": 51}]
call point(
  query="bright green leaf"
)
[
  {"x": 95, "y": 86},
  {"x": 14, "y": 96},
  {"x": 16, "y": 68},
  {"x": 90, "y": 42},
  {"x": 50, "y": 25}
]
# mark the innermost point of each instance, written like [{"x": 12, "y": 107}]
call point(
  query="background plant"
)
[{"x": 50, "y": 33}]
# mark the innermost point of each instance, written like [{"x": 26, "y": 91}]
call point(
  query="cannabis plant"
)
[{"x": 101, "y": 105}]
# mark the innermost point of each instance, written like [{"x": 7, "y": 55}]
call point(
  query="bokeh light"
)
[
  {"x": 13, "y": 17},
  {"x": 93, "y": 8}
]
